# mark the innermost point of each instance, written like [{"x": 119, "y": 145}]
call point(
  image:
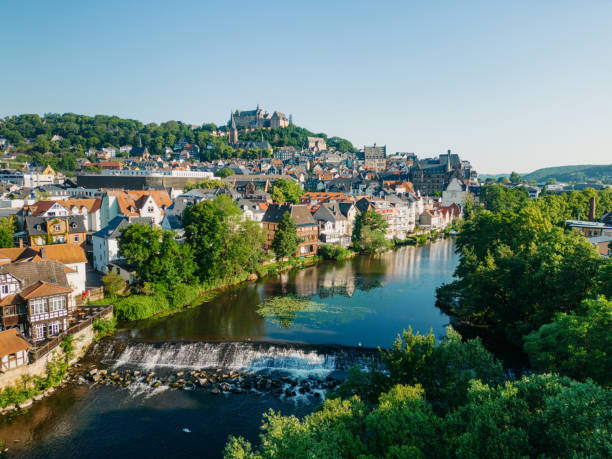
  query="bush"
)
[
  {"x": 182, "y": 294},
  {"x": 333, "y": 252},
  {"x": 104, "y": 327},
  {"x": 137, "y": 307},
  {"x": 113, "y": 283}
]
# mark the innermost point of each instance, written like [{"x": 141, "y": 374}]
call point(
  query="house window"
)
[
  {"x": 57, "y": 303},
  {"x": 150, "y": 210},
  {"x": 39, "y": 331},
  {"x": 76, "y": 238},
  {"x": 54, "y": 328},
  {"x": 58, "y": 227},
  {"x": 10, "y": 311},
  {"x": 5, "y": 289},
  {"x": 38, "y": 306}
]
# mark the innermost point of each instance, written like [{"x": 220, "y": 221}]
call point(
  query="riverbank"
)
[{"x": 24, "y": 385}]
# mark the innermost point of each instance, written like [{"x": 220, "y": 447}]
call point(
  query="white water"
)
[{"x": 229, "y": 355}]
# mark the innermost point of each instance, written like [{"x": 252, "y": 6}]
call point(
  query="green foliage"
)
[
  {"x": 137, "y": 307},
  {"x": 580, "y": 173},
  {"x": 104, "y": 327},
  {"x": 516, "y": 271},
  {"x": 537, "y": 416},
  {"x": 207, "y": 184},
  {"x": 445, "y": 370},
  {"x": 226, "y": 172},
  {"x": 576, "y": 344},
  {"x": 497, "y": 198},
  {"x": 286, "y": 241},
  {"x": 295, "y": 136},
  {"x": 369, "y": 232},
  {"x": 333, "y": 252},
  {"x": 515, "y": 178},
  {"x": 67, "y": 346},
  {"x": 8, "y": 227},
  {"x": 158, "y": 257},
  {"x": 113, "y": 283},
  {"x": 224, "y": 245},
  {"x": 286, "y": 191}
]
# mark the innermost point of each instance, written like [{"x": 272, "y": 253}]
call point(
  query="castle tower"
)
[{"x": 232, "y": 138}]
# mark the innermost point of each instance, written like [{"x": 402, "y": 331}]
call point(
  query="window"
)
[
  {"x": 10, "y": 311},
  {"x": 58, "y": 227},
  {"x": 5, "y": 289},
  {"x": 57, "y": 303},
  {"x": 38, "y": 306},
  {"x": 150, "y": 210},
  {"x": 54, "y": 328},
  {"x": 39, "y": 331},
  {"x": 76, "y": 238}
]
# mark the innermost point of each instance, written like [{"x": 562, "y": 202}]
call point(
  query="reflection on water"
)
[{"x": 365, "y": 300}]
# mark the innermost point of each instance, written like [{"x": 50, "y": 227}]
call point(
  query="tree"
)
[
  {"x": 113, "y": 283},
  {"x": 158, "y": 257},
  {"x": 7, "y": 230},
  {"x": 286, "y": 241},
  {"x": 516, "y": 270},
  {"x": 497, "y": 198},
  {"x": 287, "y": 191},
  {"x": 226, "y": 172},
  {"x": 515, "y": 178},
  {"x": 369, "y": 232},
  {"x": 576, "y": 344},
  {"x": 224, "y": 245}
]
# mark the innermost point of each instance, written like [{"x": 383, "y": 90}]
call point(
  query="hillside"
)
[
  {"x": 579, "y": 173},
  {"x": 33, "y": 134}
]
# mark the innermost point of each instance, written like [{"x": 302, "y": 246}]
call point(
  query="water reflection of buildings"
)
[{"x": 365, "y": 273}]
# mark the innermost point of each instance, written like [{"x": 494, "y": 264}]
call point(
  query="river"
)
[{"x": 311, "y": 322}]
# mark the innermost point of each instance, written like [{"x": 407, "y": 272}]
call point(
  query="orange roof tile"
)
[
  {"x": 11, "y": 342},
  {"x": 40, "y": 289}
]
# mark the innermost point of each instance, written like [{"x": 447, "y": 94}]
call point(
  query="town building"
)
[
  {"x": 257, "y": 119},
  {"x": 307, "y": 227},
  {"x": 40, "y": 231},
  {"x": 375, "y": 158},
  {"x": 13, "y": 350}
]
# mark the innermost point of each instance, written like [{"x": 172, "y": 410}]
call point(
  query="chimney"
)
[{"x": 592, "y": 209}]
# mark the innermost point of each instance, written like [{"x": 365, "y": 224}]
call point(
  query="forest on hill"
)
[
  {"x": 579, "y": 173},
  {"x": 32, "y": 136}
]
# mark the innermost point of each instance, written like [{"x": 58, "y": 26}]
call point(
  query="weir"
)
[{"x": 257, "y": 357}]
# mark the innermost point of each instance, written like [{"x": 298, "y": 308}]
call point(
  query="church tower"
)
[{"x": 232, "y": 138}]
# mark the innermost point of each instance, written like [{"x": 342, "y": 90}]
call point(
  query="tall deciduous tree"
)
[
  {"x": 577, "y": 344},
  {"x": 286, "y": 240},
  {"x": 287, "y": 191},
  {"x": 158, "y": 257},
  {"x": 7, "y": 230},
  {"x": 369, "y": 232}
]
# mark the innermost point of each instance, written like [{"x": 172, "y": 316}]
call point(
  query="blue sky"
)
[{"x": 508, "y": 85}]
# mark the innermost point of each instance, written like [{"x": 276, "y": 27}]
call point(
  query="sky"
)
[{"x": 513, "y": 85}]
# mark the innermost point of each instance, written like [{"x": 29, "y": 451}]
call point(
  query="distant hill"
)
[{"x": 578, "y": 173}]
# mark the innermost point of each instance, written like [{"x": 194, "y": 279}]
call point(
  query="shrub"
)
[
  {"x": 104, "y": 327},
  {"x": 113, "y": 283},
  {"x": 182, "y": 294},
  {"x": 136, "y": 307},
  {"x": 333, "y": 252}
]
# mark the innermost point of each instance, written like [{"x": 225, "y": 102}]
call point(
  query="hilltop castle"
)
[{"x": 257, "y": 119}]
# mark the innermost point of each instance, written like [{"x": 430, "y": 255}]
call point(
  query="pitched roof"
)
[
  {"x": 130, "y": 201},
  {"x": 37, "y": 226},
  {"x": 30, "y": 273},
  {"x": 301, "y": 214},
  {"x": 114, "y": 227},
  {"x": 40, "y": 289},
  {"x": 64, "y": 253},
  {"x": 11, "y": 342}
]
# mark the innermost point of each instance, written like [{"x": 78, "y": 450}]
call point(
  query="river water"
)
[{"x": 314, "y": 321}]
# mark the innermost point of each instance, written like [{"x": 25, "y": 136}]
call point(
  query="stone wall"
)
[{"x": 81, "y": 340}]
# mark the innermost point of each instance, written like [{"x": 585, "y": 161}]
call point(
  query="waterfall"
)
[{"x": 299, "y": 359}]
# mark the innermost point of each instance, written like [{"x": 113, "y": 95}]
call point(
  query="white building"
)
[{"x": 455, "y": 193}]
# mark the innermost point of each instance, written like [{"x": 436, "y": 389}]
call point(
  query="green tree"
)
[
  {"x": 516, "y": 270},
  {"x": 224, "y": 245},
  {"x": 515, "y": 178},
  {"x": 226, "y": 172},
  {"x": 287, "y": 191},
  {"x": 158, "y": 257},
  {"x": 369, "y": 232},
  {"x": 113, "y": 283},
  {"x": 576, "y": 344},
  {"x": 497, "y": 198},
  {"x": 286, "y": 240},
  {"x": 7, "y": 230}
]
